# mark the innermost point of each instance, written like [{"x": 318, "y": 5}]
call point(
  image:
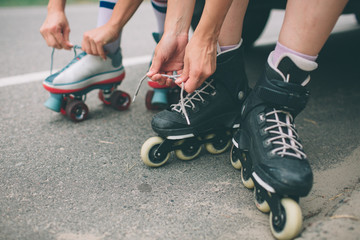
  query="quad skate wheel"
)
[
  {"x": 120, "y": 100},
  {"x": 219, "y": 145},
  {"x": 63, "y": 106},
  {"x": 290, "y": 222},
  {"x": 148, "y": 152},
  {"x": 76, "y": 110},
  {"x": 102, "y": 98},
  {"x": 148, "y": 98},
  {"x": 190, "y": 149},
  {"x": 260, "y": 203},
  {"x": 235, "y": 161}
]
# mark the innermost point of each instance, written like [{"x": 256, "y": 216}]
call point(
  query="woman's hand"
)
[{"x": 55, "y": 30}]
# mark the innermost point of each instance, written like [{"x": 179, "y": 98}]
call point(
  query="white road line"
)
[{"x": 37, "y": 76}]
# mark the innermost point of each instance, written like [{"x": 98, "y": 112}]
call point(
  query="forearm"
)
[
  {"x": 56, "y": 6},
  {"x": 123, "y": 11},
  {"x": 212, "y": 19},
  {"x": 178, "y": 17}
]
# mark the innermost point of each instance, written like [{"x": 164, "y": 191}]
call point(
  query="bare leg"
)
[
  {"x": 308, "y": 24},
  {"x": 230, "y": 33}
]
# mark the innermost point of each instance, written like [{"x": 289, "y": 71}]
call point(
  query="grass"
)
[{"x": 14, "y": 3}]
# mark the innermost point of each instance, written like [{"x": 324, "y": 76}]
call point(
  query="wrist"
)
[
  {"x": 115, "y": 24},
  {"x": 207, "y": 35},
  {"x": 178, "y": 16},
  {"x": 177, "y": 27},
  {"x": 172, "y": 33},
  {"x": 56, "y": 7}
]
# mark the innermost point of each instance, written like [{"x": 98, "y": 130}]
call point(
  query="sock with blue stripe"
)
[
  {"x": 105, "y": 12},
  {"x": 160, "y": 7}
]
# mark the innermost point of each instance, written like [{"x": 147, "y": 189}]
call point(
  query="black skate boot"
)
[
  {"x": 267, "y": 147},
  {"x": 207, "y": 116}
]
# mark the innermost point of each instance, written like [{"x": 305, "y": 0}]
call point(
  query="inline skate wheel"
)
[
  {"x": 235, "y": 161},
  {"x": 245, "y": 172},
  {"x": 260, "y": 203},
  {"x": 148, "y": 150},
  {"x": 219, "y": 145},
  {"x": 120, "y": 100},
  {"x": 76, "y": 110},
  {"x": 190, "y": 149},
  {"x": 289, "y": 226},
  {"x": 248, "y": 182}
]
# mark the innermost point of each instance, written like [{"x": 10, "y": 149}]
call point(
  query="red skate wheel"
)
[
  {"x": 120, "y": 100},
  {"x": 77, "y": 110},
  {"x": 148, "y": 98},
  {"x": 63, "y": 106},
  {"x": 102, "y": 98}
]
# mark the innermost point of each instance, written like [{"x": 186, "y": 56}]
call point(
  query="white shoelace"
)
[
  {"x": 184, "y": 102},
  {"x": 286, "y": 139},
  {"x": 188, "y": 100},
  {"x": 52, "y": 57},
  {"x": 173, "y": 77}
]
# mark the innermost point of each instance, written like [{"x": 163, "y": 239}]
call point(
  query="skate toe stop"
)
[{"x": 54, "y": 102}]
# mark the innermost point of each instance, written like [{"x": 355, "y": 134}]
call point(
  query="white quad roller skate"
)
[{"x": 69, "y": 86}]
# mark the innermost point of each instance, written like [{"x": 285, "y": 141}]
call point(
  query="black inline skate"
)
[
  {"x": 267, "y": 147},
  {"x": 206, "y": 116}
]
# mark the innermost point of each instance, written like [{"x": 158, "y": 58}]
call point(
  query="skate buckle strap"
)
[
  {"x": 285, "y": 135},
  {"x": 52, "y": 56},
  {"x": 188, "y": 100},
  {"x": 285, "y": 95}
]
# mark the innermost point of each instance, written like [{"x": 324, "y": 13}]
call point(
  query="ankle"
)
[{"x": 281, "y": 50}]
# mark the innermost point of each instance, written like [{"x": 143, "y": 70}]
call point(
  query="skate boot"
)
[
  {"x": 162, "y": 96},
  {"x": 267, "y": 148},
  {"x": 69, "y": 86},
  {"x": 207, "y": 116}
]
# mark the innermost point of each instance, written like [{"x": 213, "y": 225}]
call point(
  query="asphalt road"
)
[{"x": 64, "y": 181}]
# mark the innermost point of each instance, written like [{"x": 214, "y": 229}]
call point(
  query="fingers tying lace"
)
[{"x": 182, "y": 104}]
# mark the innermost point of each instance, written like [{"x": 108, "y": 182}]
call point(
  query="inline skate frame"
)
[
  {"x": 161, "y": 96},
  {"x": 69, "y": 86},
  {"x": 267, "y": 149},
  {"x": 206, "y": 117}
]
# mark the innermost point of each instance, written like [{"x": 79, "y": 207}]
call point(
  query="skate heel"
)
[
  {"x": 160, "y": 97},
  {"x": 54, "y": 102}
]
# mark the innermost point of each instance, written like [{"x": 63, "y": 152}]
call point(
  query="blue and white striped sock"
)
[
  {"x": 160, "y": 7},
  {"x": 105, "y": 12}
]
